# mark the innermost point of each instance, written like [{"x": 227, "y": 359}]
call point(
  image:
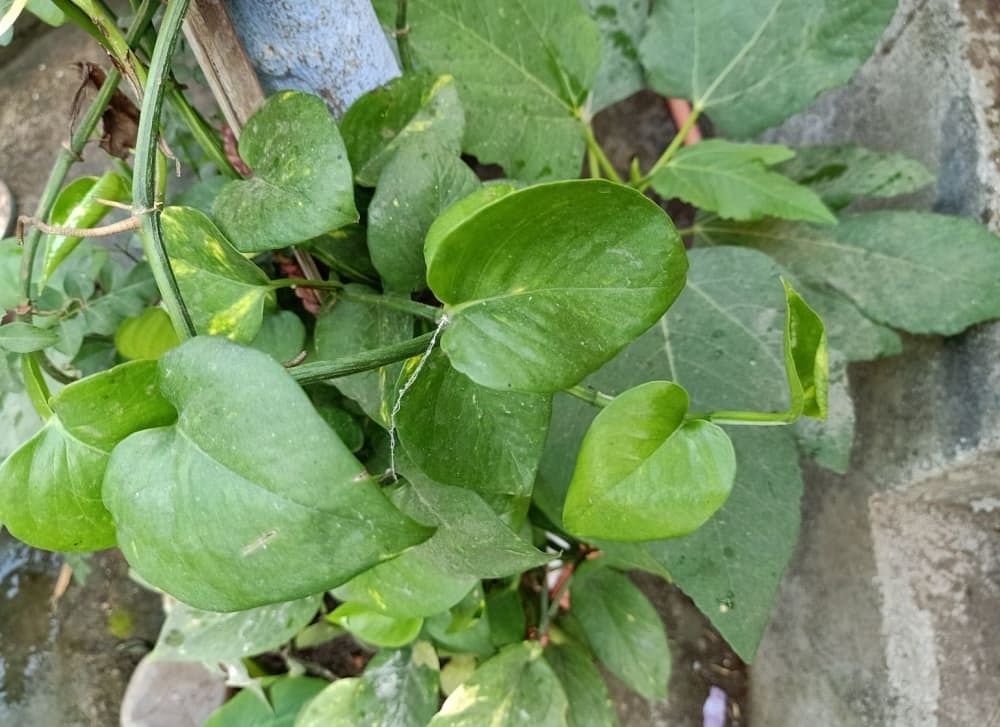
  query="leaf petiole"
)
[
  {"x": 312, "y": 373},
  {"x": 669, "y": 152},
  {"x": 747, "y": 418},
  {"x": 590, "y": 395},
  {"x": 594, "y": 149}
]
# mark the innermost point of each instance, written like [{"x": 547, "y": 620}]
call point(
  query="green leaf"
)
[
  {"x": 849, "y": 332},
  {"x": 464, "y": 434},
  {"x": 328, "y": 405},
  {"x": 301, "y": 514},
  {"x": 523, "y": 71},
  {"x": 921, "y": 272},
  {"x": 146, "y": 336},
  {"x": 125, "y": 293},
  {"x": 734, "y": 181},
  {"x": 806, "y": 358},
  {"x": 282, "y": 336},
  {"x": 302, "y": 184},
  {"x": 621, "y": 23},
  {"x": 77, "y": 206},
  {"x": 471, "y": 542},
  {"x": 540, "y": 317},
  {"x": 408, "y": 110},
  {"x": 190, "y": 634},
  {"x": 752, "y": 66},
  {"x": 349, "y": 327},
  {"x": 225, "y": 293},
  {"x": 732, "y": 566},
  {"x": 460, "y": 211},
  {"x": 723, "y": 342},
  {"x": 47, "y": 12},
  {"x": 20, "y": 337},
  {"x": 841, "y": 174},
  {"x": 288, "y": 695},
  {"x": 375, "y": 628},
  {"x": 398, "y": 689},
  {"x": 472, "y": 638},
  {"x": 345, "y": 251},
  {"x": 590, "y": 704},
  {"x": 623, "y": 629},
  {"x": 505, "y": 612},
  {"x": 10, "y": 274},
  {"x": 50, "y": 488},
  {"x": 644, "y": 473},
  {"x": 419, "y": 183},
  {"x": 829, "y": 442},
  {"x": 514, "y": 688}
]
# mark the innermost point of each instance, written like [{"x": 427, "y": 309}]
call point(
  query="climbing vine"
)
[{"x": 352, "y": 387}]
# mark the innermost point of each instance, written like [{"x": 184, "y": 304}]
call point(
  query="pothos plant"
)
[{"x": 488, "y": 400}]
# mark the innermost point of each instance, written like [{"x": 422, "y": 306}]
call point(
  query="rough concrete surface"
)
[
  {"x": 890, "y": 612},
  {"x": 38, "y": 84}
]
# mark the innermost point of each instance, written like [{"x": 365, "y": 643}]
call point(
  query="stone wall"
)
[{"x": 890, "y": 612}]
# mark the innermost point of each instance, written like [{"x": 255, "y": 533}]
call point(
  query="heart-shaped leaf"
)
[
  {"x": 301, "y": 514},
  {"x": 420, "y": 182},
  {"x": 225, "y": 293},
  {"x": 348, "y": 327},
  {"x": 464, "y": 434},
  {"x": 590, "y": 704},
  {"x": 286, "y": 697},
  {"x": 398, "y": 689},
  {"x": 147, "y": 336},
  {"x": 50, "y": 488},
  {"x": 623, "y": 628},
  {"x": 190, "y": 634},
  {"x": 644, "y": 473},
  {"x": 20, "y": 337},
  {"x": 375, "y": 628},
  {"x": 78, "y": 206},
  {"x": 302, "y": 184},
  {"x": 515, "y": 687},
  {"x": 408, "y": 110},
  {"x": 471, "y": 542},
  {"x": 545, "y": 284}
]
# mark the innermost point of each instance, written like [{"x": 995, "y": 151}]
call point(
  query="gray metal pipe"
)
[{"x": 335, "y": 49}]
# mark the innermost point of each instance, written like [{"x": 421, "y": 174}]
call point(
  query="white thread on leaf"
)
[{"x": 402, "y": 392}]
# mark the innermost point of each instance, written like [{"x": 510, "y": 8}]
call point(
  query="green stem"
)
[
  {"x": 602, "y": 159},
  {"x": 420, "y": 310},
  {"x": 692, "y": 230},
  {"x": 80, "y": 19},
  {"x": 116, "y": 43},
  {"x": 403, "y": 38},
  {"x": 312, "y": 373},
  {"x": 144, "y": 187},
  {"x": 669, "y": 152},
  {"x": 592, "y": 167},
  {"x": 202, "y": 132},
  {"x": 589, "y": 395},
  {"x": 305, "y": 283},
  {"x": 71, "y": 153},
  {"x": 747, "y": 418}
]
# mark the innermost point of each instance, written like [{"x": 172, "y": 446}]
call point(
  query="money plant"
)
[{"x": 348, "y": 386}]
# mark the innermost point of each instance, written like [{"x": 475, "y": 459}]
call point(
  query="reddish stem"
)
[{"x": 680, "y": 111}]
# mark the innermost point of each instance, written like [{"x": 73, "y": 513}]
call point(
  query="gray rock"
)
[
  {"x": 172, "y": 694},
  {"x": 8, "y": 210},
  {"x": 890, "y": 613}
]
